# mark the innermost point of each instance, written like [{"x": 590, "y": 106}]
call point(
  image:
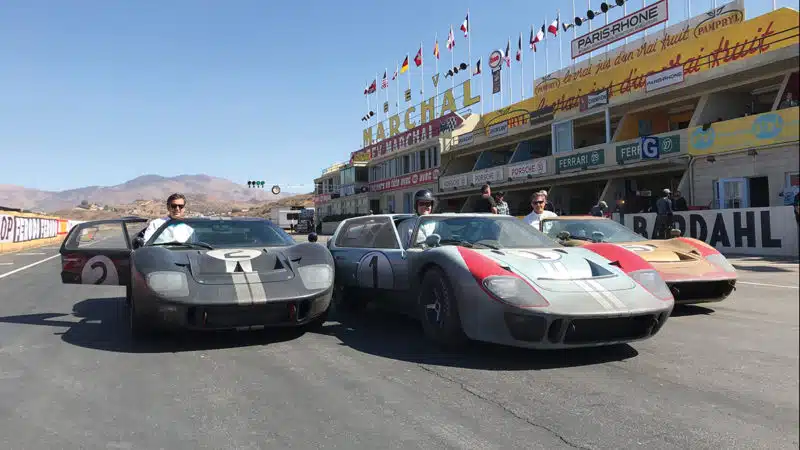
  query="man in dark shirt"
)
[
  {"x": 679, "y": 203},
  {"x": 664, "y": 216},
  {"x": 486, "y": 203}
]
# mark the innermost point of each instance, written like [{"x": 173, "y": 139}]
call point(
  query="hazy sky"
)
[{"x": 96, "y": 92}]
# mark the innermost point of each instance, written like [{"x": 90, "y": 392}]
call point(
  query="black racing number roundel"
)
[{"x": 99, "y": 269}]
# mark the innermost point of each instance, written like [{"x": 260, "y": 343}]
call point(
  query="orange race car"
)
[{"x": 694, "y": 271}]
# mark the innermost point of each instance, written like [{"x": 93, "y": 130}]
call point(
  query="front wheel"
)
[
  {"x": 318, "y": 322},
  {"x": 438, "y": 310},
  {"x": 349, "y": 300}
]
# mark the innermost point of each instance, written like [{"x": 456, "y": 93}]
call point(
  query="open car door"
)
[{"x": 99, "y": 252}]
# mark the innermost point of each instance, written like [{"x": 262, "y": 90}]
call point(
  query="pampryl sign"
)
[{"x": 745, "y": 231}]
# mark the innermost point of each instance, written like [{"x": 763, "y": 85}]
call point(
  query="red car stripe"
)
[
  {"x": 482, "y": 266},
  {"x": 628, "y": 260}
]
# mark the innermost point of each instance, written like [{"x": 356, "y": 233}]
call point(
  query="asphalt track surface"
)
[{"x": 721, "y": 376}]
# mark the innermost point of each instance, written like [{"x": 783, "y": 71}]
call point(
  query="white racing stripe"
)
[
  {"x": 243, "y": 296},
  {"x": 595, "y": 295},
  {"x": 607, "y": 294},
  {"x": 258, "y": 295}
]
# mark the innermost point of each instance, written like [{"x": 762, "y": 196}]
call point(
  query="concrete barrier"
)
[
  {"x": 741, "y": 231},
  {"x": 21, "y": 231}
]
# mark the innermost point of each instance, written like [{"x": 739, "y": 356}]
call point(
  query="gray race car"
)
[
  {"x": 496, "y": 279},
  {"x": 204, "y": 273}
]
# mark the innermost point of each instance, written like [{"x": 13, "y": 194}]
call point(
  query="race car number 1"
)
[{"x": 375, "y": 271}]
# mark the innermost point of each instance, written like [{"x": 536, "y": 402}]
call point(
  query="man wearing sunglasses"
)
[
  {"x": 176, "y": 208},
  {"x": 538, "y": 201}
]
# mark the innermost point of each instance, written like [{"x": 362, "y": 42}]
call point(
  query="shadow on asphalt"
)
[
  {"x": 762, "y": 269},
  {"x": 102, "y": 324},
  {"x": 390, "y": 335},
  {"x": 690, "y": 310}
]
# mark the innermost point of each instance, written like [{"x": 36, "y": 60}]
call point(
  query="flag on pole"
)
[
  {"x": 538, "y": 38},
  {"x": 371, "y": 88},
  {"x": 436, "y": 49},
  {"x": 451, "y": 40},
  {"x": 418, "y": 58},
  {"x": 404, "y": 67},
  {"x": 508, "y": 51},
  {"x": 477, "y": 70},
  {"x": 385, "y": 82},
  {"x": 532, "y": 41},
  {"x": 553, "y": 28},
  {"x": 465, "y": 26},
  {"x": 519, "y": 48},
  {"x": 394, "y": 77}
]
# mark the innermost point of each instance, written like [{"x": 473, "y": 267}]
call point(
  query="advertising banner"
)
[
  {"x": 778, "y": 127},
  {"x": 649, "y": 16},
  {"x": 414, "y": 136},
  {"x": 6, "y": 229},
  {"x": 405, "y": 181},
  {"x": 665, "y": 78}
]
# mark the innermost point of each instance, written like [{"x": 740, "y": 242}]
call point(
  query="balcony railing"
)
[{"x": 604, "y": 156}]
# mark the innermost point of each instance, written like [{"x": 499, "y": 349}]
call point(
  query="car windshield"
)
[
  {"x": 222, "y": 234},
  {"x": 597, "y": 230},
  {"x": 491, "y": 231}
]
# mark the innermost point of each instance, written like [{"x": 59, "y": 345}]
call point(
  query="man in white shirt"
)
[
  {"x": 176, "y": 206},
  {"x": 538, "y": 201},
  {"x": 423, "y": 205}
]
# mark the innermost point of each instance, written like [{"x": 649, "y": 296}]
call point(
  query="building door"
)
[{"x": 732, "y": 193}]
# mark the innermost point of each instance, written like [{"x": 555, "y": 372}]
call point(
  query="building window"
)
[
  {"x": 423, "y": 160},
  {"x": 562, "y": 137},
  {"x": 406, "y": 164}
]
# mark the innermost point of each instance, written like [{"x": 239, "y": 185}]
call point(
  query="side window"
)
[
  {"x": 105, "y": 236},
  {"x": 134, "y": 228},
  {"x": 369, "y": 232}
]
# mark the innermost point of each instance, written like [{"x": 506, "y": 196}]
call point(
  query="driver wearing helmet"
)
[{"x": 423, "y": 205}]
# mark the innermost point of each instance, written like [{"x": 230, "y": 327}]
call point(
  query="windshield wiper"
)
[{"x": 187, "y": 244}]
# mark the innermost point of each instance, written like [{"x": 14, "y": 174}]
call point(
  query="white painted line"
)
[
  {"x": 6, "y": 264},
  {"x": 31, "y": 254},
  {"x": 769, "y": 285},
  {"x": 3, "y": 275}
]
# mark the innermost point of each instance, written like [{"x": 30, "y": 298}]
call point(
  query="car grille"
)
[
  {"x": 693, "y": 291},
  {"x": 584, "y": 331},
  {"x": 233, "y": 316}
]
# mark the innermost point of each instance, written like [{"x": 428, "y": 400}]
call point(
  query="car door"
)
[
  {"x": 99, "y": 252},
  {"x": 368, "y": 255}
]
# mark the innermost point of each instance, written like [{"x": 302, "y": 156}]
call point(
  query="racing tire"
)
[
  {"x": 438, "y": 310},
  {"x": 137, "y": 324}
]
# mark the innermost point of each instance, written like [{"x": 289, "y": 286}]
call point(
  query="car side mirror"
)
[
  {"x": 312, "y": 237},
  {"x": 138, "y": 242},
  {"x": 563, "y": 235},
  {"x": 433, "y": 240}
]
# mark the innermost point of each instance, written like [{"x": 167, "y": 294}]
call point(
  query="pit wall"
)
[{"x": 20, "y": 231}]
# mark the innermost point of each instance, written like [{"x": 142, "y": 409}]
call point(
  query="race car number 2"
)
[
  {"x": 99, "y": 270},
  {"x": 375, "y": 271}
]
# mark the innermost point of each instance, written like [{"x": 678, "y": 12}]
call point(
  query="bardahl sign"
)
[
  {"x": 24, "y": 229},
  {"x": 415, "y": 136},
  {"x": 757, "y": 231}
]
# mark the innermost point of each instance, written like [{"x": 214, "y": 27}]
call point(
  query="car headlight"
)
[
  {"x": 722, "y": 262},
  {"x": 168, "y": 283},
  {"x": 515, "y": 291},
  {"x": 316, "y": 276},
  {"x": 652, "y": 281}
]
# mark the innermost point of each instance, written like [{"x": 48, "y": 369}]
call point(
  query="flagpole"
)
[
  {"x": 546, "y": 51},
  {"x": 386, "y": 74},
  {"x": 397, "y": 87},
  {"x": 521, "y": 68},
  {"x": 589, "y": 6},
  {"x": 368, "y": 105},
  {"x": 452, "y": 56},
  {"x": 409, "y": 70},
  {"x": 560, "y": 40},
  {"x": 510, "y": 75},
  {"x": 469, "y": 44},
  {"x": 606, "y": 49},
  {"x": 436, "y": 62},
  {"x": 625, "y": 13},
  {"x": 377, "y": 100},
  {"x": 422, "y": 74}
]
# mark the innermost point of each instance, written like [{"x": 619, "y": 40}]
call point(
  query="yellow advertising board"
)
[
  {"x": 772, "y": 128},
  {"x": 695, "y": 52}
]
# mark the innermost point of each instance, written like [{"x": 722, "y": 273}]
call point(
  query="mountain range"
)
[{"x": 145, "y": 187}]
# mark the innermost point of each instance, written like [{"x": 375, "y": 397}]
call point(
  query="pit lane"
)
[{"x": 717, "y": 376}]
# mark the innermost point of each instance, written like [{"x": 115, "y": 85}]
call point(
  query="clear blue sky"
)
[{"x": 96, "y": 92}]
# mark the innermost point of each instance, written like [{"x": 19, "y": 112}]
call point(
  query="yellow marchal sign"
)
[
  {"x": 772, "y": 128},
  {"x": 695, "y": 51},
  {"x": 427, "y": 112}
]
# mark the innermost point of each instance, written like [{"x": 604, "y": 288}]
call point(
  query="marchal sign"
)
[
  {"x": 427, "y": 112},
  {"x": 415, "y": 136}
]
